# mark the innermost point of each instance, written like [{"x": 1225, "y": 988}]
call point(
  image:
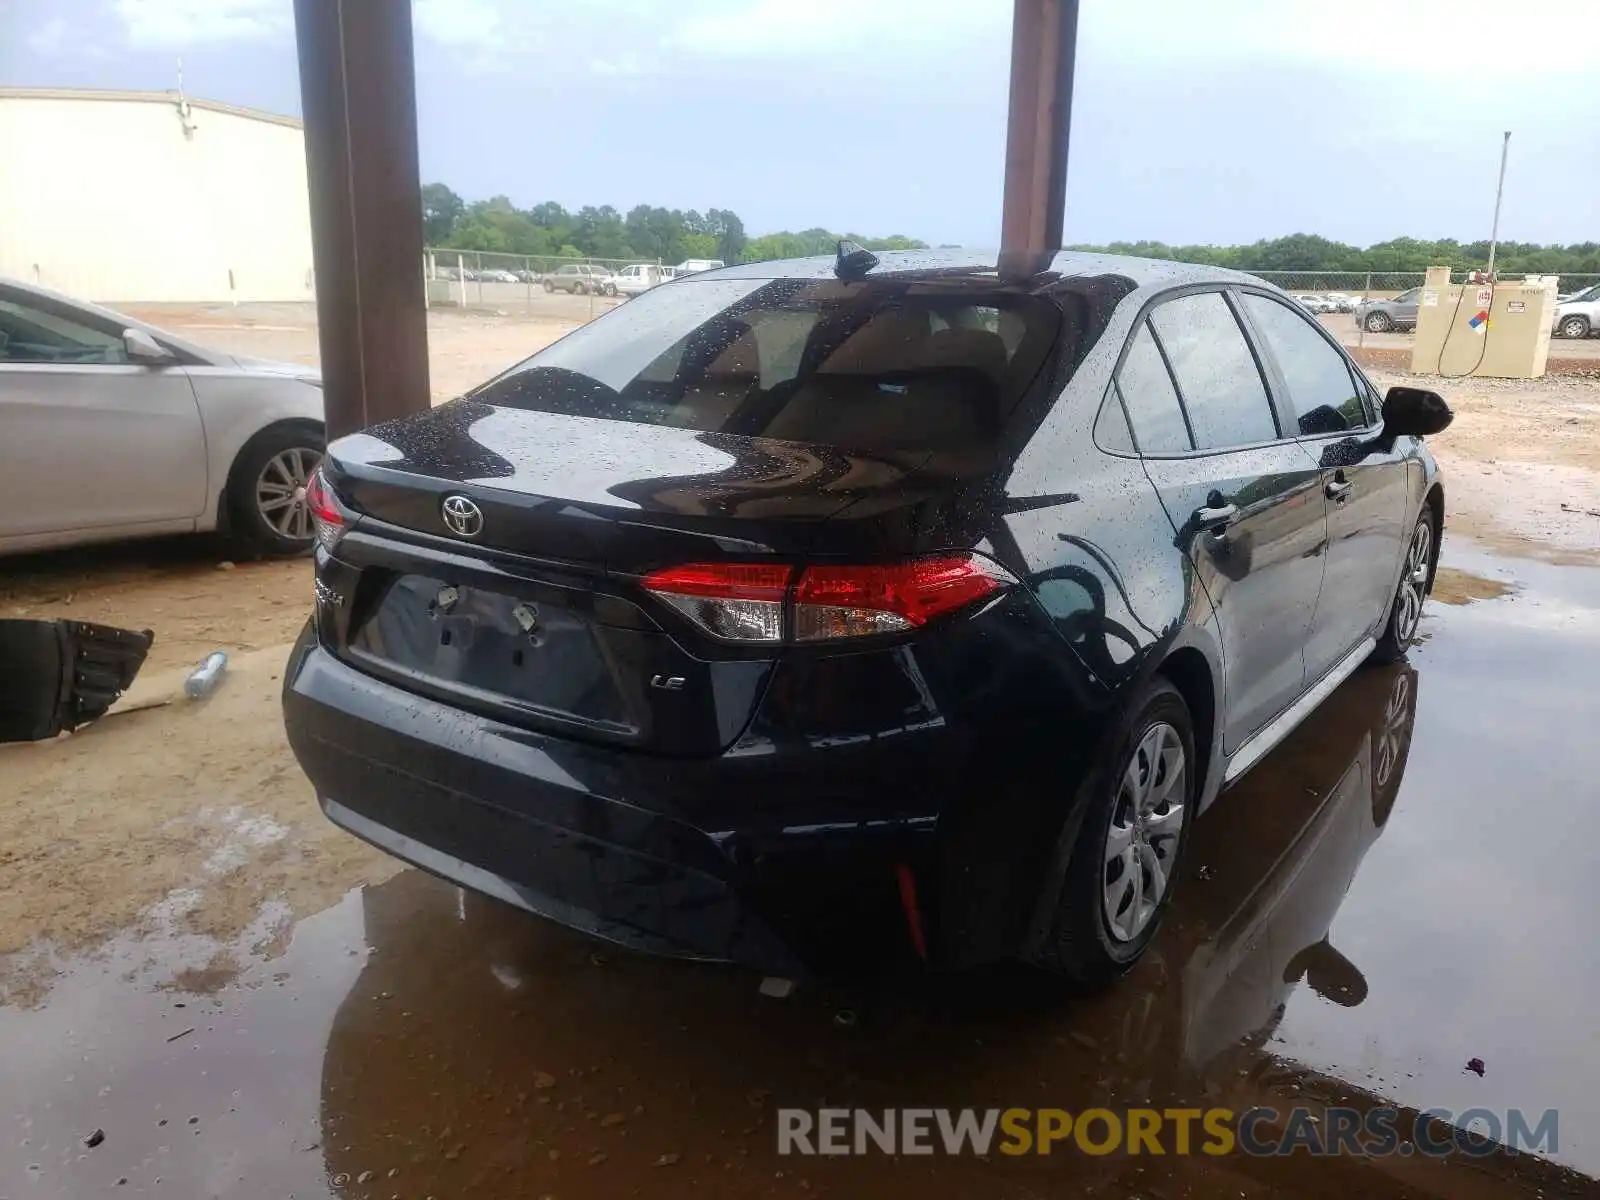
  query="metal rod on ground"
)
[
  {"x": 1044, "y": 41},
  {"x": 358, "y": 98},
  {"x": 1499, "y": 189}
]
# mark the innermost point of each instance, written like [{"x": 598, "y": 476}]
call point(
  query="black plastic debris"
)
[
  {"x": 95, "y": 1138},
  {"x": 58, "y": 675},
  {"x": 1475, "y": 1065}
]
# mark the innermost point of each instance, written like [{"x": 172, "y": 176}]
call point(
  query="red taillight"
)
[
  {"x": 848, "y": 601},
  {"x": 327, "y": 512},
  {"x": 745, "y": 602}
]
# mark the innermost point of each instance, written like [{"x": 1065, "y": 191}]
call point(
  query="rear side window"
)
[
  {"x": 1217, "y": 375},
  {"x": 1150, "y": 398},
  {"x": 1319, "y": 380},
  {"x": 1111, "y": 426},
  {"x": 874, "y": 365}
]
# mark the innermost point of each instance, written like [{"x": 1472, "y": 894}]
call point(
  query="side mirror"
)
[
  {"x": 144, "y": 349},
  {"x": 1414, "y": 412}
]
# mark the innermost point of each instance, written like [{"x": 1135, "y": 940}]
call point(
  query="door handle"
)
[
  {"x": 1337, "y": 488},
  {"x": 1216, "y": 517}
]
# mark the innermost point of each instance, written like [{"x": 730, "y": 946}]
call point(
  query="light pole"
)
[{"x": 1494, "y": 229}]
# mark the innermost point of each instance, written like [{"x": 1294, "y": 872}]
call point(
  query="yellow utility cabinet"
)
[{"x": 1475, "y": 329}]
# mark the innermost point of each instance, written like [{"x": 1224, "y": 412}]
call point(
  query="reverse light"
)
[
  {"x": 327, "y": 514},
  {"x": 739, "y": 602},
  {"x": 748, "y": 602}
]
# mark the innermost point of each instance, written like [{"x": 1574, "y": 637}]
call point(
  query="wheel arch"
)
[
  {"x": 1434, "y": 503},
  {"x": 1187, "y": 670},
  {"x": 224, "y": 513}
]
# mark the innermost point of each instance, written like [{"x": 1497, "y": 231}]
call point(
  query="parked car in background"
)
[
  {"x": 813, "y": 603},
  {"x": 1578, "y": 316},
  {"x": 637, "y": 278},
  {"x": 580, "y": 279},
  {"x": 111, "y": 428},
  {"x": 1312, "y": 303},
  {"x": 526, "y": 276},
  {"x": 1381, "y": 316},
  {"x": 1340, "y": 303},
  {"x": 499, "y": 275},
  {"x": 692, "y": 266}
]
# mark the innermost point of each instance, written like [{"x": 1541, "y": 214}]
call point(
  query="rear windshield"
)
[{"x": 889, "y": 364}]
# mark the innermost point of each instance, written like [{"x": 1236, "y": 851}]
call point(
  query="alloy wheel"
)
[
  {"x": 1414, "y": 583},
  {"x": 1574, "y": 327},
  {"x": 1142, "y": 838},
  {"x": 281, "y": 492}
]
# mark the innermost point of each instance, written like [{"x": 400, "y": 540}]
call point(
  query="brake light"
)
[
  {"x": 747, "y": 602},
  {"x": 835, "y": 601},
  {"x": 327, "y": 513}
]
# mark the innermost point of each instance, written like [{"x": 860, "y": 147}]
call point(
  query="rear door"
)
[
  {"x": 1244, "y": 499},
  {"x": 1363, "y": 479},
  {"x": 88, "y": 439}
]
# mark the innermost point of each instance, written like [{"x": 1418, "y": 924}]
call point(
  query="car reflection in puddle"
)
[{"x": 481, "y": 1046}]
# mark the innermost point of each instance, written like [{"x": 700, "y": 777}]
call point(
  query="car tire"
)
[
  {"x": 1574, "y": 327},
  {"x": 579, "y": 289},
  {"x": 611, "y": 289},
  {"x": 1377, "y": 322},
  {"x": 279, "y": 457},
  {"x": 1100, "y": 925},
  {"x": 1416, "y": 581},
  {"x": 548, "y": 286}
]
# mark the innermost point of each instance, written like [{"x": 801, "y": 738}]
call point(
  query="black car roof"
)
[{"x": 1145, "y": 272}]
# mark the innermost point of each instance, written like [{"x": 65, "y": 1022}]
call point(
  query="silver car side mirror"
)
[{"x": 144, "y": 349}]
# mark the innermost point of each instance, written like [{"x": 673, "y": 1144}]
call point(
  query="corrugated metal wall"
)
[{"x": 109, "y": 199}]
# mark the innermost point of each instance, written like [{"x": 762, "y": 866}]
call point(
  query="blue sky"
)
[{"x": 1222, "y": 121}]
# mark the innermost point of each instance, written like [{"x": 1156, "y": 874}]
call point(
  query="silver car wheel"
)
[
  {"x": 1142, "y": 838},
  {"x": 281, "y": 492},
  {"x": 1414, "y": 583}
]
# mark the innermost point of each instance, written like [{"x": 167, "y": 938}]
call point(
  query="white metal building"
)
[{"x": 128, "y": 196}]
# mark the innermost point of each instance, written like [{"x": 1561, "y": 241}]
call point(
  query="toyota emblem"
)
[{"x": 462, "y": 516}]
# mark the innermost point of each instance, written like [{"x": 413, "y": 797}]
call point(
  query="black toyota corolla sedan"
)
[{"x": 855, "y": 602}]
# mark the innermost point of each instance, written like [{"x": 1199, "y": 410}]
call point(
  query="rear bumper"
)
[{"x": 635, "y": 850}]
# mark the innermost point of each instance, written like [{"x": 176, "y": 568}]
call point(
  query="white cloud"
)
[
  {"x": 467, "y": 24},
  {"x": 174, "y": 24},
  {"x": 1472, "y": 41},
  {"x": 785, "y": 28}
]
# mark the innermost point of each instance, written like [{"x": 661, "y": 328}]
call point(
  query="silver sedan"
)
[{"x": 111, "y": 428}]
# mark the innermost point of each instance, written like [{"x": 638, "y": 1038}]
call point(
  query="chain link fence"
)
[
  {"x": 486, "y": 279},
  {"x": 490, "y": 280},
  {"x": 1384, "y": 284}
]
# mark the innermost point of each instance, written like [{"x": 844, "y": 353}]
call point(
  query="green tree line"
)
[
  {"x": 1308, "y": 252},
  {"x": 644, "y": 232},
  {"x": 550, "y": 231}
]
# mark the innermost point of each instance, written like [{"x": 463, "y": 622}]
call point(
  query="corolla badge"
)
[{"x": 461, "y": 516}]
